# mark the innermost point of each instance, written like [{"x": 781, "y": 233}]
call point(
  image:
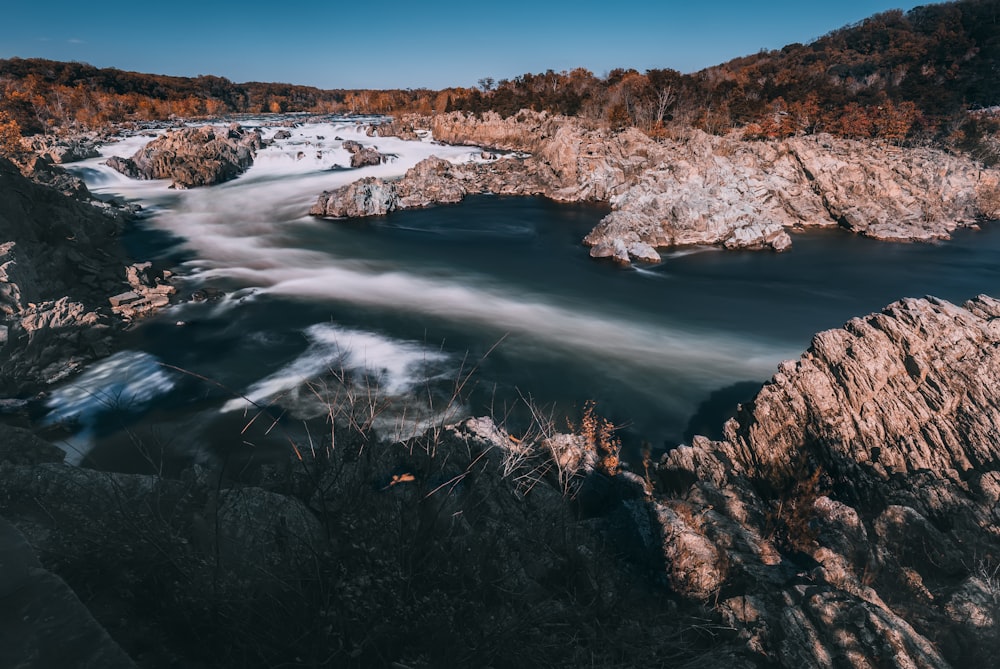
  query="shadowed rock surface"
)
[
  {"x": 60, "y": 261},
  {"x": 43, "y": 624},
  {"x": 848, "y": 518}
]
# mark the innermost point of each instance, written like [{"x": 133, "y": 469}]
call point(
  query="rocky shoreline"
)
[
  {"x": 60, "y": 263},
  {"x": 848, "y": 517},
  {"x": 694, "y": 189}
]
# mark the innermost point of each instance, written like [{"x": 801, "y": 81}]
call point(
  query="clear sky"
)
[{"x": 396, "y": 44}]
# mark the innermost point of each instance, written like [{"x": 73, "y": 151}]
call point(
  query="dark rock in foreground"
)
[
  {"x": 847, "y": 518},
  {"x": 44, "y": 625},
  {"x": 60, "y": 261}
]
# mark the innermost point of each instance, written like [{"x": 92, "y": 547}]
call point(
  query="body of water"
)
[{"x": 455, "y": 310}]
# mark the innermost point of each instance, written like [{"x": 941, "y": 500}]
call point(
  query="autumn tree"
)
[{"x": 10, "y": 134}]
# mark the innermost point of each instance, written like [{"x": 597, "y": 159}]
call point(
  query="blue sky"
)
[{"x": 395, "y": 44}]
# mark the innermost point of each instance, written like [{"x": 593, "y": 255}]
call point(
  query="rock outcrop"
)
[
  {"x": 431, "y": 181},
  {"x": 59, "y": 262},
  {"x": 63, "y": 149},
  {"x": 362, "y": 156},
  {"x": 850, "y": 514},
  {"x": 697, "y": 189},
  {"x": 847, "y": 518},
  {"x": 193, "y": 156},
  {"x": 149, "y": 290}
]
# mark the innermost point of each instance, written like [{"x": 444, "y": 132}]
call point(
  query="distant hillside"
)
[
  {"x": 941, "y": 59},
  {"x": 896, "y": 76},
  {"x": 39, "y": 94}
]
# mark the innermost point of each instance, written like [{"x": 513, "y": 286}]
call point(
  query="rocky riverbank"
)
[
  {"x": 60, "y": 262},
  {"x": 695, "y": 188},
  {"x": 847, "y": 518}
]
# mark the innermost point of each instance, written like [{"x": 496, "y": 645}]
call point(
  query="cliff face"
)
[
  {"x": 850, "y": 514},
  {"x": 701, "y": 189}
]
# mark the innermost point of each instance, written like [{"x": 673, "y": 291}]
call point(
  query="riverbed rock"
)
[
  {"x": 696, "y": 189},
  {"x": 363, "y": 156},
  {"x": 63, "y": 149},
  {"x": 193, "y": 156},
  {"x": 404, "y": 128},
  {"x": 368, "y": 197},
  {"x": 149, "y": 290}
]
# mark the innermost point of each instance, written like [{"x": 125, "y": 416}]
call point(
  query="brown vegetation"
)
[{"x": 895, "y": 76}]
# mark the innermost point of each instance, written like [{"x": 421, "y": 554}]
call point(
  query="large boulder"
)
[
  {"x": 368, "y": 197},
  {"x": 193, "y": 156},
  {"x": 363, "y": 156}
]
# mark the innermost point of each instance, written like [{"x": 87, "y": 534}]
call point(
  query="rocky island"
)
[
  {"x": 191, "y": 157},
  {"x": 692, "y": 189}
]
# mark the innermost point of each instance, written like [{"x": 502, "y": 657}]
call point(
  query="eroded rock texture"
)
[
  {"x": 696, "y": 188},
  {"x": 854, "y": 502},
  {"x": 193, "y": 156}
]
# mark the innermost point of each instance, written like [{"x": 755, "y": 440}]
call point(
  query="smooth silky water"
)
[{"x": 496, "y": 295}]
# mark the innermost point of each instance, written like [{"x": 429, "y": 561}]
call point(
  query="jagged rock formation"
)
[
  {"x": 431, "y": 181},
  {"x": 362, "y": 156},
  {"x": 700, "y": 189},
  {"x": 63, "y": 149},
  {"x": 149, "y": 290},
  {"x": 193, "y": 156},
  {"x": 849, "y": 517},
  {"x": 59, "y": 263},
  {"x": 402, "y": 128}
]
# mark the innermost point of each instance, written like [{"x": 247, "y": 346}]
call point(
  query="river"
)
[{"x": 425, "y": 316}]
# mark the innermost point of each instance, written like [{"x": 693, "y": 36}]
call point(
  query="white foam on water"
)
[
  {"x": 123, "y": 381},
  {"x": 608, "y": 337},
  {"x": 377, "y": 364},
  {"x": 240, "y": 231}
]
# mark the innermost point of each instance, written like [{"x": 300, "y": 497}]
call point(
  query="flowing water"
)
[{"x": 453, "y": 310}]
